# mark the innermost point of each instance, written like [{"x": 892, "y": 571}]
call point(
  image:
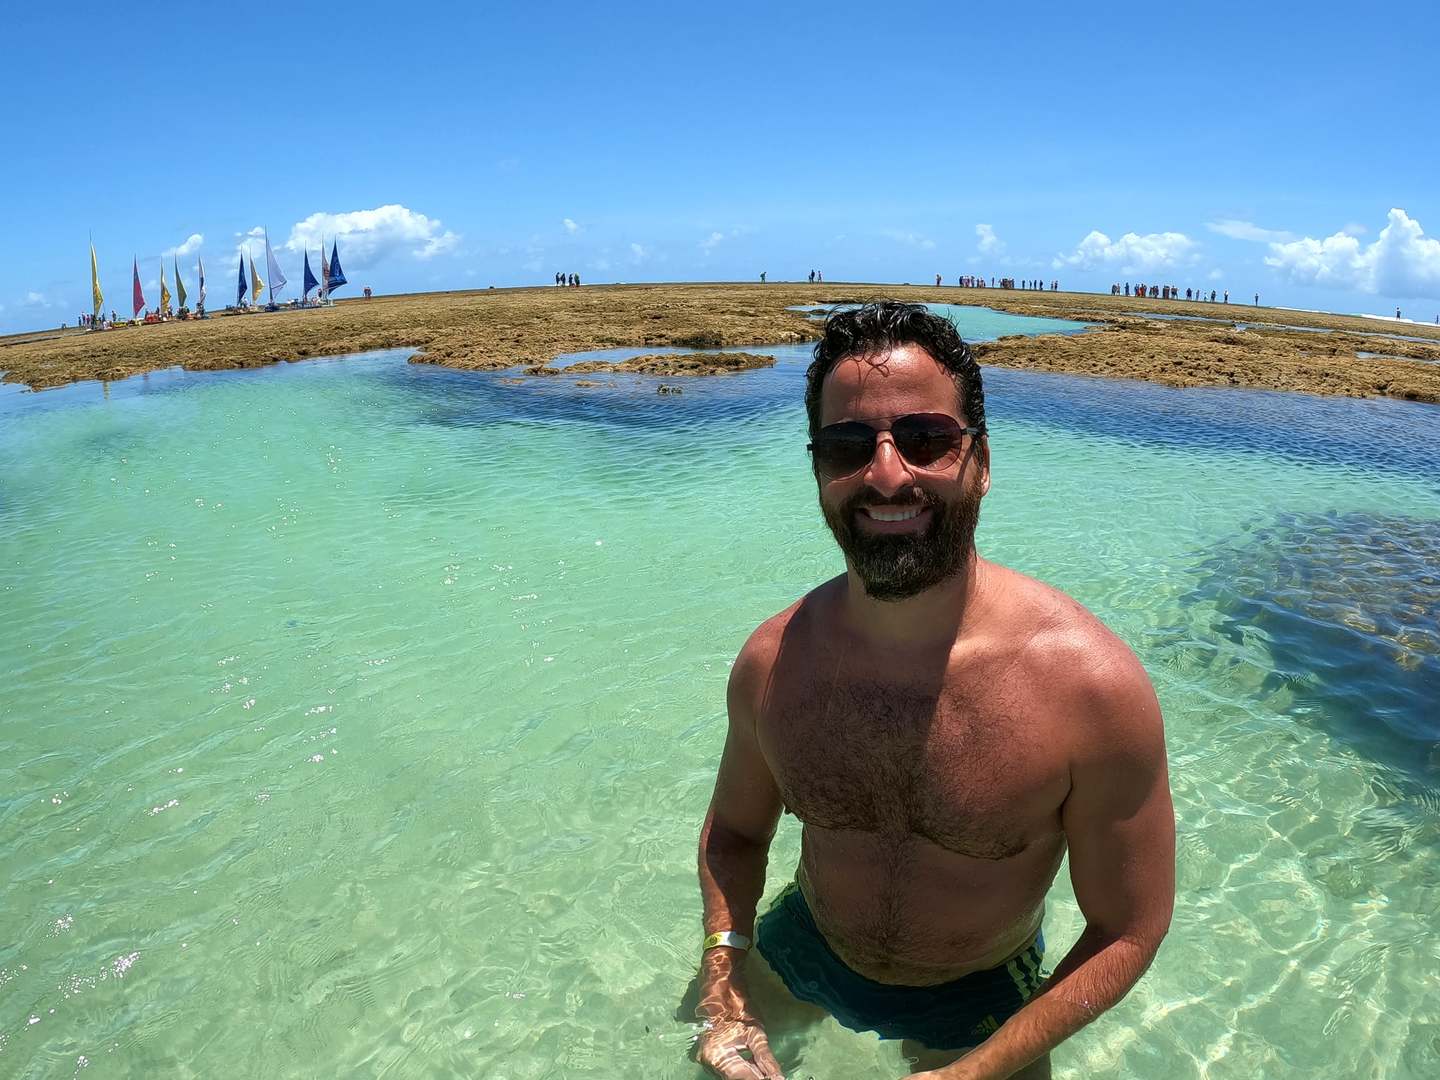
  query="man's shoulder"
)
[
  {"x": 1067, "y": 646},
  {"x": 761, "y": 649}
]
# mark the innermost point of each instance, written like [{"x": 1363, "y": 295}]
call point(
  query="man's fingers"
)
[
  {"x": 760, "y": 1047},
  {"x": 725, "y": 1061}
]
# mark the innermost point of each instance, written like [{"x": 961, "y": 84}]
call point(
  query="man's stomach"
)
[{"x": 904, "y": 911}]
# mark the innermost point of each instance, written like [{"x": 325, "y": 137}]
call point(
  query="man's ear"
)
[{"x": 983, "y": 445}]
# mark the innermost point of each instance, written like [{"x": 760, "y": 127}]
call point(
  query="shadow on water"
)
[
  {"x": 468, "y": 398},
  {"x": 1378, "y": 434},
  {"x": 1347, "y": 608}
]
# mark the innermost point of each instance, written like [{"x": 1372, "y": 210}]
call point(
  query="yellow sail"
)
[
  {"x": 95, "y": 284},
  {"x": 256, "y": 285},
  {"x": 164, "y": 291}
]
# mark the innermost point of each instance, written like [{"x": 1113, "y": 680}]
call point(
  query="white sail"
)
[{"x": 277, "y": 279}]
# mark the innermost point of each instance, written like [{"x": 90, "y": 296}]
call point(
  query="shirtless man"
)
[{"x": 944, "y": 729}]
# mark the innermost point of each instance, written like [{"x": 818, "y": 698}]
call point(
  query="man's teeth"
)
[{"x": 893, "y": 515}]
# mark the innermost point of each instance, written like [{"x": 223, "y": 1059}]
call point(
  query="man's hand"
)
[{"x": 720, "y": 1048}]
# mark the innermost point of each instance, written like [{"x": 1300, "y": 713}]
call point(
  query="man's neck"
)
[{"x": 938, "y": 616}]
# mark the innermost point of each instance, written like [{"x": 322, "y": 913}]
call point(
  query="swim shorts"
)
[{"x": 951, "y": 1016}]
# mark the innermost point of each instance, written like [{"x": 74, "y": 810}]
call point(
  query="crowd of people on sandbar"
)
[
  {"x": 977, "y": 281},
  {"x": 567, "y": 279},
  {"x": 1171, "y": 292},
  {"x": 87, "y": 321}
]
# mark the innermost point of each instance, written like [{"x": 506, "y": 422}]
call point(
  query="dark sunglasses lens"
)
[
  {"x": 842, "y": 449},
  {"x": 924, "y": 440}
]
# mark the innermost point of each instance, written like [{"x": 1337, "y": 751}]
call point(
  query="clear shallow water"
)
[{"x": 357, "y": 717}]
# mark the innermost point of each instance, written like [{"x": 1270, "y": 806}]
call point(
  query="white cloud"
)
[
  {"x": 367, "y": 236},
  {"x": 712, "y": 241},
  {"x": 1216, "y": 274},
  {"x": 36, "y": 299},
  {"x": 638, "y": 253},
  {"x": 570, "y": 226},
  {"x": 1401, "y": 261},
  {"x": 1130, "y": 253},
  {"x": 189, "y": 247},
  {"x": 248, "y": 242},
  {"x": 1244, "y": 230},
  {"x": 909, "y": 239},
  {"x": 1354, "y": 230},
  {"x": 987, "y": 242}
]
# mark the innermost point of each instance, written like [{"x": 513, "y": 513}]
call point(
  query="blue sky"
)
[{"x": 1214, "y": 145}]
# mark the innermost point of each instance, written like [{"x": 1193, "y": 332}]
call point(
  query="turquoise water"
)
[{"x": 358, "y": 717}]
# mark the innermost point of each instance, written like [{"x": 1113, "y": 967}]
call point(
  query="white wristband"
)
[{"x": 725, "y": 937}]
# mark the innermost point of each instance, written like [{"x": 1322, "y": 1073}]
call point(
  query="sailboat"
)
[
  {"x": 277, "y": 279},
  {"x": 240, "y": 296},
  {"x": 324, "y": 274},
  {"x": 164, "y": 290},
  {"x": 256, "y": 285},
  {"x": 179, "y": 285},
  {"x": 200, "y": 300},
  {"x": 95, "y": 287},
  {"x": 137, "y": 296},
  {"x": 334, "y": 276},
  {"x": 310, "y": 279}
]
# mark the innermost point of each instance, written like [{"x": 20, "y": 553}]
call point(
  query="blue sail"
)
[
  {"x": 337, "y": 276},
  {"x": 240, "y": 296},
  {"x": 310, "y": 279}
]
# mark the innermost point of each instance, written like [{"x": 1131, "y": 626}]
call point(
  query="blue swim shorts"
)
[{"x": 951, "y": 1016}]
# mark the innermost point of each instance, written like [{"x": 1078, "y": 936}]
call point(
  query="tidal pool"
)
[{"x": 359, "y": 716}]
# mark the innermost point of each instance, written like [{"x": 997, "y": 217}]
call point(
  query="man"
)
[{"x": 944, "y": 728}]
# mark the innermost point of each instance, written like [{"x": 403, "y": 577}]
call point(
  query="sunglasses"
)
[{"x": 925, "y": 440}]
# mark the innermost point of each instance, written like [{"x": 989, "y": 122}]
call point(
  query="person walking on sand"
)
[
  {"x": 944, "y": 729},
  {"x": 762, "y": 277}
]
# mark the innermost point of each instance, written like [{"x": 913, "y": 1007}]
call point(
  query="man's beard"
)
[{"x": 897, "y": 566}]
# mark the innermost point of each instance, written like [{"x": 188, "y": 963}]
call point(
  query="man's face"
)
[{"x": 937, "y": 509}]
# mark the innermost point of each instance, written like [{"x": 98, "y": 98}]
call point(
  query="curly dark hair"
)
[{"x": 871, "y": 329}]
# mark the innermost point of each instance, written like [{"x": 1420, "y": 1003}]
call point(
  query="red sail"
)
[{"x": 139, "y": 297}]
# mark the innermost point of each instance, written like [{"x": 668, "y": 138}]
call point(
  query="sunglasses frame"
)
[{"x": 960, "y": 432}]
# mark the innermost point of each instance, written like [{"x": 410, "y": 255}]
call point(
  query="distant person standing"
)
[
  {"x": 1397, "y": 313},
  {"x": 812, "y": 277},
  {"x": 937, "y": 280},
  {"x": 762, "y": 277},
  {"x": 1257, "y": 299},
  {"x": 1227, "y": 296}
]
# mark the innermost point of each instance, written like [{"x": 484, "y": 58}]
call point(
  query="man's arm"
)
[
  {"x": 1120, "y": 825},
  {"x": 735, "y": 839}
]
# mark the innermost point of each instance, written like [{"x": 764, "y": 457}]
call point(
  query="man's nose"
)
[{"x": 888, "y": 472}]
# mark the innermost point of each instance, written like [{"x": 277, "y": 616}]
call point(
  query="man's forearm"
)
[
  {"x": 1093, "y": 977},
  {"x": 732, "y": 879}
]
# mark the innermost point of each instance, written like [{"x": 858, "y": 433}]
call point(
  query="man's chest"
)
[{"x": 978, "y": 770}]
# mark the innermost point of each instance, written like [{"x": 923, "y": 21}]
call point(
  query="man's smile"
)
[{"x": 894, "y": 518}]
